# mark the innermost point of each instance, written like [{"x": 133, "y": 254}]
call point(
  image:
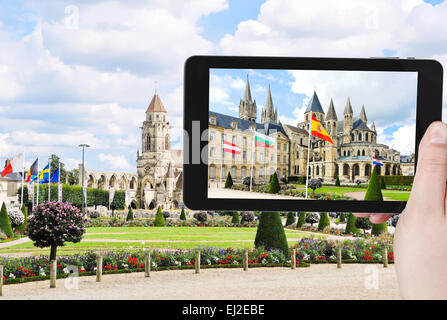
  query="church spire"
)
[
  {"x": 373, "y": 127},
  {"x": 331, "y": 114},
  {"x": 269, "y": 113},
  {"x": 247, "y": 107},
  {"x": 247, "y": 94},
  {"x": 363, "y": 115},
  {"x": 348, "y": 108}
]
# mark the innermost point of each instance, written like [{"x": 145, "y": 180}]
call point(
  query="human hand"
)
[{"x": 420, "y": 238}]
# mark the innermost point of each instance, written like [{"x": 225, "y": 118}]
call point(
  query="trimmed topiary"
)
[
  {"x": 229, "y": 181},
  {"x": 314, "y": 184},
  {"x": 290, "y": 218},
  {"x": 182, "y": 214},
  {"x": 337, "y": 182},
  {"x": 129, "y": 215},
  {"x": 311, "y": 217},
  {"x": 363, "y": 223},
  {"x": 342, "y": 217},
  {"x": 22, "y": 228},
  {"x": 5, "y": 224},
  {"x": 378, "y": 229},
  {"x": 270, "y": 233},
  {"x": 235, "y": 219},
  {"x": 382, "y": 183},
  {"x": 301, "y": 219},
  {"x": 159, "y": 219},
  {"x": 350, "y": 224},
  {"x": 324, "y": 221},
  {"x": 274, "y": 184},
  {"x": 374, "y": 193}
]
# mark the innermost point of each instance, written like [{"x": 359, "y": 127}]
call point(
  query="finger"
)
[
  {"x": 379, "y": 218},
  {"x": 429, "y": 185}
]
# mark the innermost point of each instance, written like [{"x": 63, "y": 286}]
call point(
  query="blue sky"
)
[{"x": 81, "y": 71}]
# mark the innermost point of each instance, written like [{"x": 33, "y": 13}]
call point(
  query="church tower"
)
[
  {"x": 247, "y": 107},
  {"x": 331, "y": 121},
  {"x": 348, "y": 122},
  {"x": 331, "y": 153},
  {"x": 313, "y": 109},
  {"x": 153, "y": 162},
  {"x": 269, "y": 113},
  {"x": 363, "y": 115}
]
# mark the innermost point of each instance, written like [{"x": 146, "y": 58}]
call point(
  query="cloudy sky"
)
[{"x": 84, "y": 71}]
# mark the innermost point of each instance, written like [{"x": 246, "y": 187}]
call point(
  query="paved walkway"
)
[
  {"x": 317, "y": 282},
  {"x": 14, "y": 242}
]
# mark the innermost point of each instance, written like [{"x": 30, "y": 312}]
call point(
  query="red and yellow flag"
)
[{"x": 318, "y": 130}]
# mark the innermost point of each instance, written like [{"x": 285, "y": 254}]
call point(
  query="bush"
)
[
  {"x": 315, "y": 184},
  {"x": 311, "y": 217},
  {"x": 229, "y": 181},
  {"x": 235, "y": 219},
  {"x": 324, "y": 221},
  {"x": 200, "y": 216},
  {"x": 374, "y": 193},
  {"x": 337, "y": 182},
  {"x": 378, "y": 229},
  {"x": 301, "y": 219},
  {"x": 363, "y": 223},
  {"x": 182, "y": 214},
  {"x": 297, "y": 179},
  {"x": 5, "y": 224},
  {"x": 270, "y": 233},
  {"x": 159, "y": 219},
  {"x": 129, "y": 215},
  {"x": 290, "y": 218},
  {"x": 350, "y": 224},
  {"x": 22, "y": 228},
  {"x": 246, "y": 181},
  {"x": 16, "y": 217},
  {"x": 342, "y": 217},
  {"x": 394, "y": 220},
  {"x": 247, "y": 217},
  {"x": 274, "y": 184},
  {"x": 166, "y": 214},
  {"x": 398, "y": 180},
  {"x": 55, "y": 223},
  {"x": 382, "y": 183}
]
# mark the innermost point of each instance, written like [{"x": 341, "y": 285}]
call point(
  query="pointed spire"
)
[
  {"x": 331, "y": 114},
  {"x": 156, "y": 105},
  {"x": 314, "y": 104},
  {"x": 247, "y": 94},
  {"x": 269, "y": 103},
  {"x": 170, "y": 173},
  {"x": 373, "y": 127},
  {"x": 363, "y": 115},
  {"x": 348, "y": 108}
]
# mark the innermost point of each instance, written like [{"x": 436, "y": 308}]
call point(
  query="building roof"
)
[
  {"x": 331, "y": 114},
  {"x": 358, "y": 124},
  {"x": 156, "y": 105},
  {"x": 223, "y": 120},
  {"x": 348, "y": 107},
  {"x": 363, "y": 114},
  {"x": 16, "y": 176},
  {"x": 314, "y": 104},
  {"x": 295, "y": 129},
  {"x": 179, "y": 184}
]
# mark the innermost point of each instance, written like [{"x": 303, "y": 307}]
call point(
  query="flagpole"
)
[
  {"x": 49, "y": 179},
  {"x": 59, "y": 182},
  {"x": 308, "y": 156},
  {"x": 38, "y": 181},
  {"x": 23, "y": 178},
  {"x": 221, "y": 162},
  {"x": 252, "y": 160}
]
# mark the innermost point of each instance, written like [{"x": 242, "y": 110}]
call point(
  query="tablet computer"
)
[{"x": 305, "y": 134}]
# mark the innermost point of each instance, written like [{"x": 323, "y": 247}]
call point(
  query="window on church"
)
[
  {"x": 285, "y": 147},
  {"x": 234, "y": 140},
  {"x": 366, "y": 136},
  {"x": 261, "y": 172},
  {"x": 279, "y": 159},
  {"x": 285, "y": 159},
  {"x": 244, "y": 141},
  {"x": 297, "y": 155},
  {"x": 363, "y": 152},
  {"x": 358, "y": 152},
  {"x": 244, "y": 155},
  {"x": 167, "y": 142},
  {"x": 212, "y": 151},
  {"x": 148, "y": 143},
  {"x": 212, "y": 172},
  {"x": 349, "y": 153},
  {"x": 211, "y": 135},
  {"x": 279, "y": 146},
  {"x": 360, "y": 137},
  {"x": 233, "y": 172},
  {"x": 243, "y": 172},
  {"x": 352, "y": 137}
]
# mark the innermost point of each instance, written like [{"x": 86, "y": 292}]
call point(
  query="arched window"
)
[
  {"x": 243, "y": 172},
  {"x": 212, "y": 172},
  {"x": 366, "y": 136},
  {"x": 358, "y": 152},
  {"x": 363, "y": 152},
  {"x": 344, "y": 153},
  {"x": 318, "y": 171},
  {"x": 148, "y": 143},
  {"x": 360, "y": 136},
  {"x": 167, "y": 142},
  {"x": 352, "y": 137},
  {"x": 233, "y": 172}
]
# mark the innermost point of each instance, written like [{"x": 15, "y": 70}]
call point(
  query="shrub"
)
[
  {"x": 55, "y": 223},
  {"x": 382, "y": 183},
  {"x": 290, "y": 218},
  {"x": 337, "y": 182},
  {"x": 324, "y": 221},
  {"x": 166, "y": 214},
  {"x": 129, "y": 215},
  {"x": 374, "y": 193},
  {"x": 159, "y": 219},
  {"x": 229, "y": 181},
  {"x": 363, "y": 223},
  {"x": 5, "y": 224},
  {"x": 394, "y": 220},
  {"x": 182, "y": 214},
  {"x": 311, "y": 217},
  {"x": 246, "y": 181},
  {"x": 342, "y": 217},
  {"x": 247, "y": 217},
  {"x": 378, "y": 229},
  {"x": 270, "y": 233},
  {"x": 22, "y": 228},
  {"x": 350, "y": 224},
  {"x": 200, "y": 216},
  {"x": 235, "y": 219},
  {"x": 398, "y": 180},
  {"x": 297, "y": 179},
  {"x": 315, "y": 184},
  {"x": 301, "y": 219},
  {"x": 16, "y": 217},
  {"x": 274, "y": 184}
]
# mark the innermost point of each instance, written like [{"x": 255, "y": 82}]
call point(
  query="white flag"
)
[
  {"x": 59, "y": 192},
  {"x": 111, "y": 195},
  {"x": 127, "y": 197},
  {"x": 84, "y": 190},
  {"x": 31, "y": 191}
]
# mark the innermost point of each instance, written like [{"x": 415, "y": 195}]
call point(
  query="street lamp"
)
[{"x": 82, "y": 175}]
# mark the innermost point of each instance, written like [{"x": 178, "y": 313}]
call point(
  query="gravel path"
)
[{"x": 317, "y": 282}]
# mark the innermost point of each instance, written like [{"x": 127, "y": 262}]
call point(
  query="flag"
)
[
  {"x": 55, "y": 176},
  {"x": 14, "y": 165},
  {"x": 111, "y": 195},
  {"x": 127, "y": 199},
  {"x": 262, "y": 140},
  {"x": 44, "y": 175},
  {"x": 317, "y": 130},
  {"x": 31, "y": 175},
  {"x": 59, "y": 192},
  {"x": 230, "y": 147},
  {"x": 377, "y": 162}
]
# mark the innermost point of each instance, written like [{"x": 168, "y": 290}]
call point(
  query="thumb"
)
[{"x": 430, "y": 181}]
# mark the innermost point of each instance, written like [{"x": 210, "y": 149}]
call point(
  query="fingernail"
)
[{"x": 438, "y": 134}]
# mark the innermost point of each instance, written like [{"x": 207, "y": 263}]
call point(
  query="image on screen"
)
[{"x": 311, "y": 134}]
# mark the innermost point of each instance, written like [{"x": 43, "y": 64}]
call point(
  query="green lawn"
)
[
  {"x": 331, "y": 189},
  {"x": 398, "y": 196}
]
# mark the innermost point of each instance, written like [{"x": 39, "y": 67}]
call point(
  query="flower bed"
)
[{"x": 213, "y": 222}]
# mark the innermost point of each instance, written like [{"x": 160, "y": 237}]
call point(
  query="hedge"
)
[
  {"x": 297, "y": 179},
  {"x": 398, "y": 180}
]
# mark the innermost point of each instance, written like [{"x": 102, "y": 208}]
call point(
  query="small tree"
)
[
  {"x": 129, "y": 214},
  {"x": 363, "y": 223},
  {"x": 350, "y": 224},
  {"x": 374, "y": 193},
  {"x": 382, "y": 183},
  {"x": 55, "y": 223},
  {"x": 290, "y": 218},
  {"x": 235, "y": 219},
  {"x": 182, "y": 214},
  {"x": 270, "y": 233},
  {"x": 274, "y": 184},
  {"x": 301, "y": 219},
  {"x": 324, "y": 221},
  {"x": 200, "y": 216},
  {"x": 229, "y": 181},
  {"x": 337, "y": 182},
  {"x": 314, "y": 184},
  {"x": 311, "y": 217},
  {"x": 159, "y": 219},
  {"x": 5, "y": 224}
]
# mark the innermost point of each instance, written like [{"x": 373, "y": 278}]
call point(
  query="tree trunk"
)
[{"x": 53, "y": 252}]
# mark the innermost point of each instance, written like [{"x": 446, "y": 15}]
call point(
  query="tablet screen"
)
[{"x": 311, "y": 134}]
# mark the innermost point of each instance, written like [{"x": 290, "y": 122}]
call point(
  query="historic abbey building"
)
[{"x": 349, "y": 158}]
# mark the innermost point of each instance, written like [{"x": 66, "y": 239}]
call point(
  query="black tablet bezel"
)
[{"x": 196, "y": 108}]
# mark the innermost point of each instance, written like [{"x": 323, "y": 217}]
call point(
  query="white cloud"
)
[
  {"x": 114, "y": 162},
  {"x": 403, "y": 139}
]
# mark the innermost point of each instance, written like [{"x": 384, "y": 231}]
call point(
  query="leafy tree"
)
[
  {"x": 129, "y": 214},
  {"x": 337, "y": 182},
  {"x": 55, "y": 223},
  {"x": 5, "y": 224},
  {"x": 73, "y": 177},
  {"x": 182, "y": 214},
  {"x": 159, "y": 219},
  {"x": 290, "y": 218},
  {"x": 374, "y": 193},
  {"x": 324, "y": 221},
  {"x": 235, "y": 219},
  {"x": 311, "y": 217},
  {"x": 270, "y": 233},
  {"x": 201, "y": 216},
  {"x": 301, "y": 219},
  {"x": 55, "y": 161},
  {"x": 350, "y": 224},
  {"x": 274, "y": 184},
  {"x": 363, "y": 223},
  {"x": 315, "y": 184},
  {"x": 229, "y": 181}
]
